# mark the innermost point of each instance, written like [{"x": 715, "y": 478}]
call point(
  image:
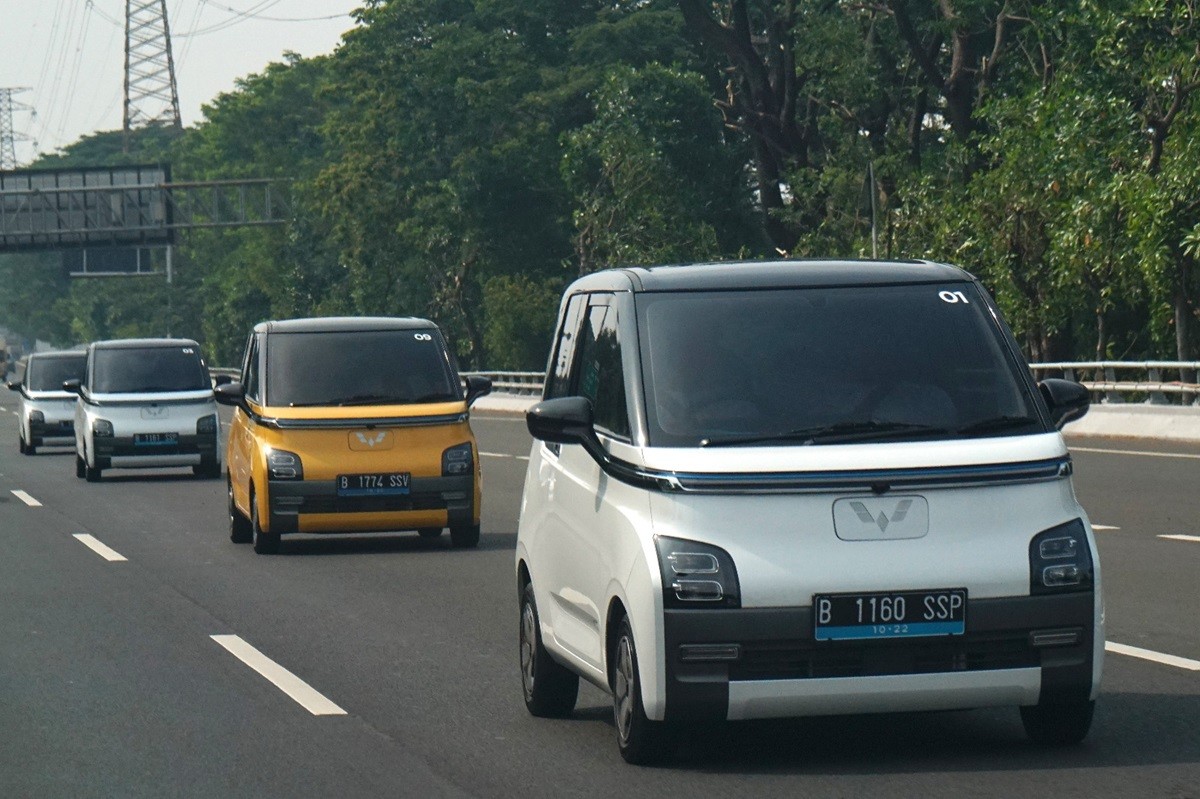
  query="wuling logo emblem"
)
[
  {"x": 373, "y": 440},
  {"x": 882, "y": 520}
]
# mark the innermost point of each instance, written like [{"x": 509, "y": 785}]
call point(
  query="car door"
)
[
  {"x": 579, "y": 548},
  {"x": 241, "y": 433}
]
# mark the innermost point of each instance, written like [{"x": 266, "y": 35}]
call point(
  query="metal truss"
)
[
  {"x": 8, "y": 134},
  {"x": 140, "y": 215},
  {"x": 151, "y": 95}
]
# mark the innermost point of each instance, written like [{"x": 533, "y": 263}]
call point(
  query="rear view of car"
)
[
  {"x": 351, "y": 425},
  {"x": 145, "y": 404},
  {"x": 47, "y": 411}
]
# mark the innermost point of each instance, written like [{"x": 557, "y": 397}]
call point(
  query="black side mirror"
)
[
  {"x": 1066, "y": 399},
  {"x": 230, "y": 393},
  {"x": 477, "y": 386},
  {"x": 566, "y": 420},
  {"x": 73, "y": 386},
  {"x": 14, "y": 385},
  {"x": 222, "y": 380}
]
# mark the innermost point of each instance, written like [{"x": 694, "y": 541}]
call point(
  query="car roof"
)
[
  {"x": 345, "y": 324},
  {"x": 58, "y": 354},
  {"x": 142, "y": 343},
  {"x": 727, "y": 275}
]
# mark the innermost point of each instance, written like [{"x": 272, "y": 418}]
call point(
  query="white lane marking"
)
[
  {"x": 1193, "y": 538},
  {"x": 1137, "y": 452},
  {"x": 28, "y": 500},
  {"x": 1104, "y": 527},
  {"x": 1157, "y": 657},
  {"x": 504, "y": 455},
  {"x": 100, "y": 549},
  {"x": 277, "y": 675}
]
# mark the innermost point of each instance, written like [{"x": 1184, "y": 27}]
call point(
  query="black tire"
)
[
  {"x": 239, "y": 526},
  {"x": 21, "y": 445},
  {"x": 207, "y": 469},
  {"x": 92, "y": 473},
  {"x": 30, "y": 449},
  {"x": 80, "y": 466},
  {"x": 1058, "y": 723},
  {"x": 465, "y": 537},
  {"x": 641, "y": 741},
  {"x": 550, "y": 688},
  {"x": 429, "y": 532},
  {"x": 265, "y": 543}
]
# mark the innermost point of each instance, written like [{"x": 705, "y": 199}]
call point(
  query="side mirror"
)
[
  {"x": 230, "y": 393},
  {"x": 566, "y": 420},
  {"x": 73, "y": 386},
  {"x": 477, "y": 386},
  {"x": 14, "y": 385},
  {"x": 222, "y": 380},
  {"x": 1066, "y": 399}
]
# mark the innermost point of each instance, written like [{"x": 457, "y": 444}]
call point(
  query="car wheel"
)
[
  {"x": 207, "y": 469},
  {"x": 80, "y": 466},
  {"x": 30, "y": 449},
  {"x": 640, "y": 740},
  {"x": 429, "y": 532},
  {"x": 21, "y": 445},
  {"x": 239, "y": 525},
  {"x": 550, "y": 688},
  {"x": 1058, "y": 723},
  {"x": 92, "y": 473},
  {"x": 265, "y": 543},
  {"x": 464, "y": 537}
]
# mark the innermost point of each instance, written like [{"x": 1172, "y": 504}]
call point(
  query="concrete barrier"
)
[{"x": 1158, "y": 422}]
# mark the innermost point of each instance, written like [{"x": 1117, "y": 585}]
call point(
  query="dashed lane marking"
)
[
  {"x": 1186, "y": 455},
  {"x": 1104, "y": 527},
  {"x": 504, "y": 455},
  {"x": 304, "y": 694},
  {"x": 28, "y": 500},
  {"x": 92, "y": 543},
  {"x": 1193, "y": 538},
  {"x": 1156, "y": 657}
]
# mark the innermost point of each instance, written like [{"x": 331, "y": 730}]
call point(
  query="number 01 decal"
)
[{"x": 953, "y": 297}]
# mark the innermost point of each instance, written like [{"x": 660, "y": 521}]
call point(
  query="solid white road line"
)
[
  {"x": 281, "y": 678},
  {"x": 1104, "y": 527},
  {"x": 1137, "y": 452},
  {"x": 100, "y": 549},
  {"x": 28, "y": 500},
  {"x": 1193, "y": 538},
  {"x": 504, "y": 455},
  {"x": 1157, "y": 657}
]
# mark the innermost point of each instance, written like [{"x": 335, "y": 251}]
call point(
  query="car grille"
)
[
  {"x": 806, "y": 660},
  {"x": 372, "y": 504}
]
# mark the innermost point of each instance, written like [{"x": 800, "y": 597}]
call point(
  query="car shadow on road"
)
[
  {"x": 373, "y": 543},
  {"x": 1130, "y": 729},
  {"x": 157, "y": 477}
]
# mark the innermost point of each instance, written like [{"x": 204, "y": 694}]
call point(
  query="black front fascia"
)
[
  {"x": 290, "y": 498},
  {"x": 204, "y": 445},
  {"x": 778, "y": 644}
]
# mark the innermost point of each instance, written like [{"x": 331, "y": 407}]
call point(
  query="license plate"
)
[
  {"x": 896, "y": 614},
  {"x": 155, "y": 439},
  {"x": 369, "y": 485}
]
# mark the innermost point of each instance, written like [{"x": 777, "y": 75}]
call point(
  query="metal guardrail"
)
[{"x": 1101, "y": 377}]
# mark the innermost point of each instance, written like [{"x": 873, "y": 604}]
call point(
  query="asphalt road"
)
[{"x": 111, "y": 683}]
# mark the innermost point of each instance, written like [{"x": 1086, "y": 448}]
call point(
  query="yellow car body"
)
[{"x": 355, "y": 466}]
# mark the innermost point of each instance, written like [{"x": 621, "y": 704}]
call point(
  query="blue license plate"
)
[
  {"x": 375, "y": 484},
  {"x": 895, "y": 614}
]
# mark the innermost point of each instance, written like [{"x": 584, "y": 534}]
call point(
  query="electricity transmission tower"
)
[
  {"x": 8, "y": 134},
  {"x": 151, "y": 96}
]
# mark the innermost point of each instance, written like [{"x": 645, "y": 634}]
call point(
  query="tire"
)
[
  {"x": 92, "y": 473},
  {"x": 265, "y": 543},
  {"x": 640, "y": 740},
  {"x": 429, "y": 532},
  {"x": 21, "y": 445},
  {"x": 464, "y": 537},
  {"x": 550, "y": 688},
  {"x": 80, "y": 466},
  {"x": 239, "y": 526},
  {"x": 30, "y": 449},
  {"x": 1058, "y": 723},
  {"x": 207, "y": 470}
]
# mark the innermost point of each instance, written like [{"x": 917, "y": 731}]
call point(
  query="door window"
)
[
  {"x": 599, "y": 373},
  {"x": 558, "y": 383}
]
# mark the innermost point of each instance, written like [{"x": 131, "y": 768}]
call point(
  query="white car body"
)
[
  {"x": 798, "y": 523},
  {"x": 45, "y": 415},
  {"x": 149, "y": 429}
]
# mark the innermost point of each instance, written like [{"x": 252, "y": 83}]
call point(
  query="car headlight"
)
[
  {"x": 102, "y": 428},
  {"x": 696, "y": 575},
  {"x": 284, "y": 465},
  {"x": 206, "y": 425},
  {"x": 1060, "y": 560},
  {"x": 37, "y": 417},
  {"x": 458, "y": 460}
]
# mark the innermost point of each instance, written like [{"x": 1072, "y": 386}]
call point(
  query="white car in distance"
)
[
  {"x": 144, "y": 404},
  {"x": 46, "y": 412}
]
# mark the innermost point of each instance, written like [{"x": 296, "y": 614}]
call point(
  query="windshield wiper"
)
[
  {"x": 832, "y": 433},
  {"x": 996, "y": 424},
  {"x": 357, "y": 399}
]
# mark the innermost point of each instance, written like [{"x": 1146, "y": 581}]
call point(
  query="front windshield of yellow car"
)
[{"x": 360, "y": 367}]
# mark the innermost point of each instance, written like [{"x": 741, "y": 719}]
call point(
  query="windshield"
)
[
  {"x": 147, "y": 370},
  {"x": 48, "y": 374},
  {"x": 360, "y": 367},
  {"x": 827, "y": 365}
]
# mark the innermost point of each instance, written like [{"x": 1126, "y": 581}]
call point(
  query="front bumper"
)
[
  {"x": 764, "y": 662},
  {"x": 123, "y": 452},
  {"x": 303, "y": 506},
  {"x": 52, "y": 432}
]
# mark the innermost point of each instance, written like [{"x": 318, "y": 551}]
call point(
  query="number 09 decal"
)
[
  {"x": 953, "y": 297},
  {"x": 422, "y": 337}
]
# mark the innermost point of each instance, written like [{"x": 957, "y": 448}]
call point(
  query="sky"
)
[{"x": 71, "y": 54}]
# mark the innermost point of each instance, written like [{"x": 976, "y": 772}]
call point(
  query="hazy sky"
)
[{"x": 71, "y": 54}]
